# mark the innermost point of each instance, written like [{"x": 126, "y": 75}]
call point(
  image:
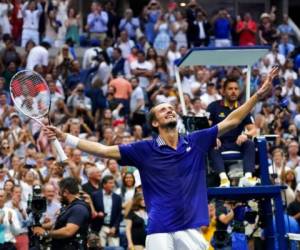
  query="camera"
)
[
  {"x": 37, "y": 204},
  {"x": 99, "y": 56}
]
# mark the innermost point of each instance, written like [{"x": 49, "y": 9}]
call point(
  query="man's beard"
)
[
  {"x": 64, "y": 201},
  {"x": 169, "y": 125}
]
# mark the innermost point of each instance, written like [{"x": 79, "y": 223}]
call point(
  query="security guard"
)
[
  {"x": 235, "y": 139},
  {"x": 71, "y": 227}
]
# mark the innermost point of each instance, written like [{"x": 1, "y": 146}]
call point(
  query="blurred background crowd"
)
[{"x": 105, "y": 71}]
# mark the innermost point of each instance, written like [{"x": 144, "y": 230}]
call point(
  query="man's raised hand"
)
[{"x": 267, "y": 85}]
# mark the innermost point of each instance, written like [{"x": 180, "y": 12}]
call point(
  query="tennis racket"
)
[{"x": 31, "y": 96}]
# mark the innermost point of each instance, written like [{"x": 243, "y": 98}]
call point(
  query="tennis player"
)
[{"x": 172, "y": 169}]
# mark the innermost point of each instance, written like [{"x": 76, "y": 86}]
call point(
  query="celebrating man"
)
[{"x": 172, "y": 169}]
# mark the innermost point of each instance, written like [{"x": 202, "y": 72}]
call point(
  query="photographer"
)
[
  {"x": 70, "y": 229},
  {"x": 224, "y": 216}
]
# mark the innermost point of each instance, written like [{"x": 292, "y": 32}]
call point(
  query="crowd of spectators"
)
[{"x": 104, "y": 96}]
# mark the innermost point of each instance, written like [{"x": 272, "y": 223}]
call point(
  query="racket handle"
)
[{"x": 60, "y": 152}]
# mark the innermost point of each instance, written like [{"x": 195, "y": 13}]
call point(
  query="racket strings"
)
[{"x": 30, "y": 93}]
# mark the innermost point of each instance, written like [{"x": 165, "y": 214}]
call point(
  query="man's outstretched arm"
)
[
  {"x": 237, "y": 116},
  {"x": 90, "y": 147}
]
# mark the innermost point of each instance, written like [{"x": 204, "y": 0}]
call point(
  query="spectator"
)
[
  {"x": 5, "y": 8},
  {"x": 125, "y": 44},
  {"x": 19, "y": 207},
  {"x": 16, "y": 20},
  {"x": 72, "y": 26},
  {"x": 136, "y": 222},
  {"x": 31, "y": 16},
  {"x": 201, "y": 29},
  {"x": 38, "y": 55},
  {"x": 10, "y": 54},
  {"x": 112, "y": 169},
  {"x": 210, "y": 95},
  {"x": 246, "y": 30},
  {"x": 293, "y": 159},
  {"x": 137, "y": 103},
  {"x": 153, "y": 12},
  {"x": 266, "y": 32},
  {"x": 191, "y": 10},
  {"x": 179, "y": 29},
  {"x": 278, "y": 168},
  {"x": 97, "y": 22},
  {"x": 294, "y": 208},
  {"x": 285, "y": 28},
  {"x": 222, "y": 28},
  {"x": 162, "y": 39},
  {"x": 130, "y": 24},
  {"x": 108, "y": 208},
  {"x": 128, "y": 188},
  {"x": 285, "y": 47},
  {"x": 93, "y": 184},
  {"x": 142, "y": 69},
  {"x": 118, "y": 63}
]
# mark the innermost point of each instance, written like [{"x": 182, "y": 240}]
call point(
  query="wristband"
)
[{"x": 72, "y": 141}]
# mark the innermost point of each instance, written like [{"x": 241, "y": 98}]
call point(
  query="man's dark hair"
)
[
  {"x": 151, "y": 118},
  {"x": 106, "y": 179},
  {"x": 70, "y": 184},
  {"x": 229, "y": 80}
]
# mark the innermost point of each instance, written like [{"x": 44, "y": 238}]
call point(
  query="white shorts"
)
[{"x": 190, "y": 239}]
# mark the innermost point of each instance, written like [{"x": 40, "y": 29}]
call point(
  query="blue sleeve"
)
[
  {"x": 204, "y": 138},
  {"x": 132, "y": 154},
  {"x": 79, "y": 215}
]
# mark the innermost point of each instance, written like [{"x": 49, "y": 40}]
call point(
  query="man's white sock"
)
[{"x": 248, "y": 175}]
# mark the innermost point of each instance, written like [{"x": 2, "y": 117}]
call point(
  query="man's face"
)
[
  {"x": 16, "y": 195},
  {"x": 113, "y": 166},
  {"x": 165, "y": 116},
  {"x": 64, "y": 197},
  {"x": 232, "y": 92},
  {"x": 49, "y": 193},
  {"x": 96, "y": 175},
  {"x": 109, "y": 186}
]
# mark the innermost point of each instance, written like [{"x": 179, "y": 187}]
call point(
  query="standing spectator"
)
[
  {"x": 130, "y": 24},
  {"x": 31, "y": 17},
  {"x": 97, "y": 22},
  {"x": 10, "y": 225},
  {"x": 267, "y": 33},
  {"x": 246, "y": 30},
  {"x": 142, "y": 69},
  {"x": 19, "y": 207},
  {"x": 136, "y": 222},
  {"x": 200, "y": 30},
  {"x": 5, "y": 8},
  {"x": 51, "y": 27},
  {"x": 137, "y": 103},
  {"x": 285, "y": 28},
  {"x": 162, "y": 39},
  {"x": 278, "y": 167},
  {"x": 222, "y": 29},
  {"x": 118, "y": 63},
  {"x": 112, "y": 169},
  {"x": 123, "y": 91},
  {"x": 179, "y": 29},
  {"x": 113, "y": 19},
  {"x": 16, "y": 20},
  {"x": 153, "y": 13},
  {"x": 38, "y": 55},
  {"x": 62, "y": 16},
  {"x": 125, "y": 44},
  {"x": 108, "y": 208},
  {"x": 73, "y": 25},
  {"x": 191, "y": 16}
]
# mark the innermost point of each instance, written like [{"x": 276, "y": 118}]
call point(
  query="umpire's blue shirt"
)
[{"x": 174, "y": 183}]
